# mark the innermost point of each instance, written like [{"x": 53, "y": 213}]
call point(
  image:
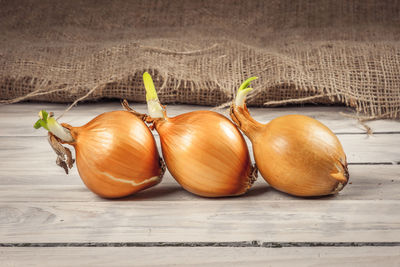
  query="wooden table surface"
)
[{"x": 49, "y": 218}]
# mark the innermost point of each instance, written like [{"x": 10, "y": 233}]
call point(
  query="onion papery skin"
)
[
  {"x": 116, "y": 154},
  {"x": 296, "y": 154},
  {"x": 206, "y": 154}
]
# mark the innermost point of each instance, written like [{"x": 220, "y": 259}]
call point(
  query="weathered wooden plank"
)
[
  {"x": 367, "y": 182},
  {"x": 204, "y": 256},
  {"x": 22, "y": 116},
  {"x": 38, "y": 203},
  {"x": 226, "y": 220},
  {"x": 33, "y": 155},
  {"x": 375, "y": 149}
]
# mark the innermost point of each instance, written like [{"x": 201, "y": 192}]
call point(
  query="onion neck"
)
[
  {"x": 241, "y": 115},
  {"x": 47, "y": 121},
  {"x": 243, "y": 120}
]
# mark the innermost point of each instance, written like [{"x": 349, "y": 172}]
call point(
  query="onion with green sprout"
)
[
  {"x": 116, "y": 153},
  {"x": 295, "y": 154},
  {"x": 203, "y": 150}
]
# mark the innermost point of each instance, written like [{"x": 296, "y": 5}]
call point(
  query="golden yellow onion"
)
[
  {"x": 295, "y": 154},
  {"x": 203, "y": 150},
  {"x": 116, "y": 154}
]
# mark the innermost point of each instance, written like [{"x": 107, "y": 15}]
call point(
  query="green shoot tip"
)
[
  {"x": 242, "y": 92},
  {"x": 42, "y": 121},
  {"x": 246, "y": 84},
  {"x": 43, "y": 115},
  {"x": 151, "y": 93}
]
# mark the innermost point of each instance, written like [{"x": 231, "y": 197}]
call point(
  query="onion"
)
[
  {"x": 203, "y": 150},
  {"x": 116, "y": 153},
  {"x": 295, "y": 154}
]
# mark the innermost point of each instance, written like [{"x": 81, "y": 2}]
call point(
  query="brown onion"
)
[
  {"x": 116, "y": 153},
  {"x": 295, "y": 154},
  {"x": 203, "y": 150}
]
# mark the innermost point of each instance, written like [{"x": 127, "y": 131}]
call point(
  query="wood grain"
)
[
  {"x": 367, "y": 182},
  {"x": 39, "y": 203},
  {"x": 221, "y": 220},
  {"x": 207, "y": 256},
  {"x": 33, "y": 155}
]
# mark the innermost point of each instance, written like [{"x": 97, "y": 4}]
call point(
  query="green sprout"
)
[
  {"x": 42, "y": 121},
  {"x": 151, "y": 93},
  {"x": 153, "y": 104},
  {"x": 243, "y": 90},
  {"x": 48, "y": 122}
]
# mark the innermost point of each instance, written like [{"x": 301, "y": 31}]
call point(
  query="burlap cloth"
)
[{"x": 199, "y": 52}]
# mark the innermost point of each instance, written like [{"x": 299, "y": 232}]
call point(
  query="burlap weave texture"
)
[{"x": 345, "y": 52}]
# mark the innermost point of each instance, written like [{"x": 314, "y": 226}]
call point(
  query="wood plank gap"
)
[
  {"x": 374, "y": 163},
  {"x": 253, "y": 243},
  {"x": 352, "y": 133}
]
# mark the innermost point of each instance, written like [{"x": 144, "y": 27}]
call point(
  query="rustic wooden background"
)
[{"x": 49, "y": 218}]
